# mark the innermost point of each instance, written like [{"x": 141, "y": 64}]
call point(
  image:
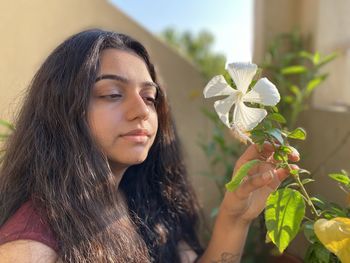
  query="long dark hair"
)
[{"x": 52, "y": 158}]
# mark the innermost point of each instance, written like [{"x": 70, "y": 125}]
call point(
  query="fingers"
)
[
  {"x": 270, "y": 178},
  {"x": 252, "y": 183},
  {"x": 294, "y": 155},
  {"x": 255, "y": 151},
  {"x": 283, "y": 173},
  {"x": 263, "y": 152}
]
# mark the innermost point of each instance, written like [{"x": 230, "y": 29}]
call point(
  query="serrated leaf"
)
[
  {"x": 298, "y": 133},
  {"x": 240, "y": 174},
  {"x": 293, "y": 185},
  {"x": 304, "y": 171},
  {"x": 293, "y": 70},
  {"x": 307, "y": 180},
  {"x": 318, "y": 202},
  {"x": 341, "y": 178},
  {"x": 277, "y": 117},
  {"x": 284, "y": 212}
]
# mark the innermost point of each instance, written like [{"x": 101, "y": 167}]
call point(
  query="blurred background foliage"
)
[
  {"x": 197, "y": 48},
  {"x": 5, "y": 130}
]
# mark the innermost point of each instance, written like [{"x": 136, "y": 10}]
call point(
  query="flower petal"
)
[
  {"x": 217, "y": 86},
  {"x": 223, "y": 108},
  {"x": 247, "y": 118},
  {"x": 242, "y": 74},
  {"x": 264, "y": 92},
  {"x": 335, "y": 236}
]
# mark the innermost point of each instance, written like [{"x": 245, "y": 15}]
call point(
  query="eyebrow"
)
[{"x": 125, "y": 80}]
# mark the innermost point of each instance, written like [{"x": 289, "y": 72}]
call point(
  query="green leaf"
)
[
  {"x": 274, "y": 108},
  {"x": 317, "y": 253},
  {"x": 288, "y": 99},
  {"x": 258, "y": 136},
  {"x": 307, "y": 180},
  {"x": 279, "y": 156},
  {"x": 284, "y": 212},
  {"x": 341, "y": 178},
  {"x": 3, "y": 136},
  {"x": 293, "y": 70},
  {"x": 277, "y": 117},
  {"x": 285, "y": 149},
  {"x": 308, "y": 229},
  {"x": 7, "y": 124},
  {"x": 312, "y": 84},
  {"x": 294, "y": 89},
  {"x": 305, "y": 54},
  {"x": 277, "y": 134},
  {"x": 298, "y": 133},
  {"x": 316, "y": 58},
  {"x": 327, "y": 59},
  {"x": 318, "y": 202},
  {"x": 294, "y": 172},
  {"x": 304, "y": 171},
  {"x": 240, "y": 174}
]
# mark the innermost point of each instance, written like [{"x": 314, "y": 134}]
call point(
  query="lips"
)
[
  {"x": 137, "y": 136},
  {"x": 137, "y": 132}
]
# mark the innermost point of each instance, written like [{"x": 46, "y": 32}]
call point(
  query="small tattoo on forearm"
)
[{"x": 227, "y": 258}]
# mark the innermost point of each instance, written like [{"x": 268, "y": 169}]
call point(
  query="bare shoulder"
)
[{"x": 26, "y": 251}]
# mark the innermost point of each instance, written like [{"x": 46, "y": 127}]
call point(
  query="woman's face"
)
[{"x": 121, "y": 113}]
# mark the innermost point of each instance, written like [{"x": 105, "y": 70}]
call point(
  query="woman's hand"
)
[{"x": 248, "y": 200}]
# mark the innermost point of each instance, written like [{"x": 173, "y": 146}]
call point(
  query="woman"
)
[{"x": 94, "y": 167}]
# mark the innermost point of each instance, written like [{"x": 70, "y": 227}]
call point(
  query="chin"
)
[{"x": 134, "y": 160}]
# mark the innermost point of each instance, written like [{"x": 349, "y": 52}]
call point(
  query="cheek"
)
[{"x": 102, "y": 125}]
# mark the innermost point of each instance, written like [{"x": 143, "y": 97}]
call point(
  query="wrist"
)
[{"x": 233, "y": 219}]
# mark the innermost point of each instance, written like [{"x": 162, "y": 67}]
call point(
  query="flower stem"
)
[
  {"x": 309, "y": 202},
  {"x": 297, "y": 180}
]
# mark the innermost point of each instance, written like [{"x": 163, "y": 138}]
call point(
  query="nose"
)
[{"x": 137, "y": 108}]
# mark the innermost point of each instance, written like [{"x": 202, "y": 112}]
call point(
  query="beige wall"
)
[
  {"x": 31, "y": 29},
  {"x": 325, "y": 24}
]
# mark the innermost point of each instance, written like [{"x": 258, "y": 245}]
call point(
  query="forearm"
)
[{"x": 227, "y": 242}]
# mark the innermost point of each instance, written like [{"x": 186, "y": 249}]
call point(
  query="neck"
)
[{"x": 118, "y": 172}]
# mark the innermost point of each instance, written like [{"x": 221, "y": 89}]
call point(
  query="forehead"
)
[{"x": 124, "y": 63}]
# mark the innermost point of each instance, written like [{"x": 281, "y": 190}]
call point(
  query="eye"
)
[
  {"x": 111, "y": 96},
  {"x": 150, "y": 100}
]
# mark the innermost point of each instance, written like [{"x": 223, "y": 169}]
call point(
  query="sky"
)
[{"x": 230, "y": 21}]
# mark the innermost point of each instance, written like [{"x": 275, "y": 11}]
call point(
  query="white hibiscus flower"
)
[{"x": 245, "y": 118}]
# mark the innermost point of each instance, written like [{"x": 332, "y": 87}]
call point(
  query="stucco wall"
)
[{"x": 31, "y": 29}]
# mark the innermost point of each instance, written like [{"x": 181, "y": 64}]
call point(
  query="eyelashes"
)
[{"x": 115, "y": 97}]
